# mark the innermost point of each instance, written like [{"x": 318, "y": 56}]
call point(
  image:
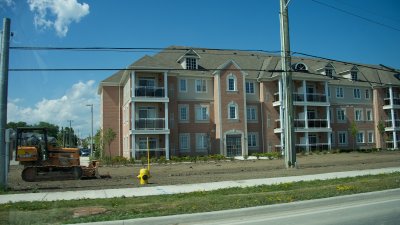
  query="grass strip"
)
[{"x": 59, "y": 212}]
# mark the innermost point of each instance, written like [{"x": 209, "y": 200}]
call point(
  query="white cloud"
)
[
  {"x": 70, "y": 106},
  {"x": 8, "y": 3},
  {"x": 57, "y": 13}
]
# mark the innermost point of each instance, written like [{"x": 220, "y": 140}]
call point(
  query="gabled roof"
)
[{"x": 257, "y": 65}]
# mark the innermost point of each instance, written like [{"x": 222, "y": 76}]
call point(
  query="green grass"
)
[{"x": 58, "y": 212}]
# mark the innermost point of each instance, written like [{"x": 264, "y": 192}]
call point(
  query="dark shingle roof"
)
[{"x": 257, "y": 65}]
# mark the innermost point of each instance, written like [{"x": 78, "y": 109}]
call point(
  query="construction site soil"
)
[{"x": 124, "y": 176}]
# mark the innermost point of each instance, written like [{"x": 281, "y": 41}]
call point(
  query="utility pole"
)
[
  {"x": 287, "y": 90},
  {"x": 5, "y": 45},
  {"x": 69, "y": 133},
  {"x": 91, "y": 137}
]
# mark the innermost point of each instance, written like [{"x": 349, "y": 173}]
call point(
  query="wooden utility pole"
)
[{"x": 287, "y": 90}]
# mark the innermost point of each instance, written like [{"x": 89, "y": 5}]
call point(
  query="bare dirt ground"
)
[{"x": 211, "y": 171}]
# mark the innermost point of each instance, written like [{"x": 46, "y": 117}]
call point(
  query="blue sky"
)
[{"x": 253, "y": 24}]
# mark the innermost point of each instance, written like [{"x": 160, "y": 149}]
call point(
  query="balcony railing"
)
[
  {"x": 299, "y": 97},
  {"x": 388, "y": 123},
  {"x": 151, "y": 149},
  {"x": 149, "y": 91},
  {"x": 396, "y": 101},
  {"x": 150, "y": 124},
  {"x": 312, "y": 147},
  {"x": 312, "y": 123}
]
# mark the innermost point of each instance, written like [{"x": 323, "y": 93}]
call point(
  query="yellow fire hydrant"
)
[{"x": 144, "y": 176}]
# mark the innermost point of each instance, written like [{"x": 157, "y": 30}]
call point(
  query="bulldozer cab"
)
[{"x": 32, "y": 144}]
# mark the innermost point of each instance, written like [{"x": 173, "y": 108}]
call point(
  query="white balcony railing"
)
[
  {"x": 150, "y": 123},
  {"x": 149, "y": 91}
]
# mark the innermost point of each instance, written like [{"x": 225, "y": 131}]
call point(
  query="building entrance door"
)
[{"x": 234, "y": 145}]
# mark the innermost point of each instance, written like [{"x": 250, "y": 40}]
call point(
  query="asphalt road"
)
[{"x": 369, "y": 208}]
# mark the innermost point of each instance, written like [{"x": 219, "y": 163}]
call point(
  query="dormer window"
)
[
  {"x": 300, "y": 67},
  {"x": 329, "y": 72},
  {"x": 191, "y": 63},
  {"x": 353, "y": 75}
]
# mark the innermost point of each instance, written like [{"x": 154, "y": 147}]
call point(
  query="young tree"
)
[
  {"x": 353, "y": 132},
  {"x": 98, "y": 144},
  {"x": 108, "y": 136},
  {"x": 381, "y": 130}
]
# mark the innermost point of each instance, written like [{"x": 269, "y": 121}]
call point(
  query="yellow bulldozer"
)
[{"x": 43, "y": 160}]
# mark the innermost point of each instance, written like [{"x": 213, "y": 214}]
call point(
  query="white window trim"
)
[
  {"x": 252, "y": 107},
  {"x": 204, "y": 146},
  {"x": 369, "y": 94},
  {"x": 186, "y": 85},
  {"x": 357, "y": 90},
  {"x": 256, "y": 139},
  {"x": 236, "y": 111},
  {"x": 197, "y": 107},
  {"x": 201, "y": 80},
  {"x": 373, "y": 137},
  {"x": 254, "y": 87},
  {"x": 346, "y": 138},
  {"x": 234, "y": 82},
  {"x": 372, "y": 116},
  {"x": 339, "y": 92},
  {"x": 361, "y": 114},
  {"x": 180, "y": 142},
  {"x": 187, "y": 63},
  {"x": 363, "y": 137},
  {"x": 337, "y": 115},
  {"x": 180, "y": 106}
]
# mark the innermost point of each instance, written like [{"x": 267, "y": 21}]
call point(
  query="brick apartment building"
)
[{"x": 194, "y": 101}]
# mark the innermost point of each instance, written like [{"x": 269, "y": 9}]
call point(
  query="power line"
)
[
  {"x": 368, "y": 11},
  {"x": 343, "y": 62},
  {"x": 211, "y": 51},
  {"x": 358, "y": 16},
  {"x": 139, "y": 49}
]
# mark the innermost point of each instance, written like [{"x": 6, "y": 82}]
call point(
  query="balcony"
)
[
  {"x": 150, "y": 124},
  {"x": 388, "y": 124},
  {"x": 149, "y": 91},
  {"x": 312, "y": 123},
  {"x": 300, "y": 97},
  {"x": 312, "y": 147},
  {"x": 396, "y": 102}
]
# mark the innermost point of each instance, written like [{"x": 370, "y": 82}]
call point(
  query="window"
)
[
  {"x": 147, "y": 82},
  {"x": 191, "y": 63},
  {"x": 369, "y": 115},
  {"x": 300, "y": 67},
  {"x": 232, "y": 111},
  {"x": 249, "y": 87},
  {"x": 143, "y": 143},
  {"x": 201, "y": 141},
  {"x": 358, "y": 115},
  {"x": 231, "y": 83},
  {"x": 353, "y": 75},
  {"x": 329, "y": 72},
  {"x": 182, "y": 85},
  {"x": 184, "y": 112},
  {"x": 339, "y": 92},
  {"x": 367, "y": 94},
  {"x": 201, "y": 86},
  {"x": 357, "y": 93},
  {"x": 342, "y": 137},
  {"x": 184, "y": 142},
  {"x": 251, "y": 113},
  {"x": 360, "y": 137},
  {"x": 370, "y": 137},
  {"x": 252, "y": 139},
  {"x": 202, "y": 112},
  {"x": 341, "y": 115}
]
